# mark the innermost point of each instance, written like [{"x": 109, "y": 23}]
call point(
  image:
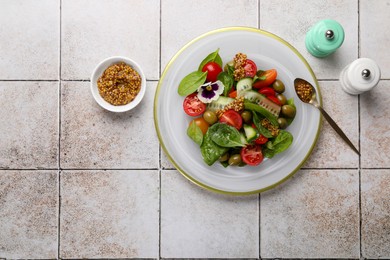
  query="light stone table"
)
[{"x": 80, "y": 182}]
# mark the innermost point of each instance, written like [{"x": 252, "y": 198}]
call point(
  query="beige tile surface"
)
[
  {"x": 375, "y": 127},
  {"x": 92, "y": 137},
  {"x": 314, "y": 215},
  {"x": 28, "y": 125},
  {"x": 28, "y": 214},
  {"x": 95, "y": 30},
  {"x": 291, "y": 20},
  {"x": 331, "y": 151},
  {"x": 109, "y": 214},
  {"x": 375, "y": 213},
  {"x": 375, "y": 30},
  {"x": 197, "y": 17},
  {"x": 196, "y": 223},
  {"x": 29, "y": 48}
]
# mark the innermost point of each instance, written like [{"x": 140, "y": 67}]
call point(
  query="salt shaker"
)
[
  {"x": 324, "y": 38},
  {"x": 360, "y": 76}
]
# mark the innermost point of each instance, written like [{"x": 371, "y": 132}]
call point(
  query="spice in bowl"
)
[{"x": 119, "y": 84}]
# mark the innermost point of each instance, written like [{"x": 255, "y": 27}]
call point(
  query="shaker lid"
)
[
  {"x": 364, "y": 74},
  {"x": 328, "y": 35}
]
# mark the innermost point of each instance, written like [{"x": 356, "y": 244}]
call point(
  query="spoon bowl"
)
[{"x": 307, "y": 94}]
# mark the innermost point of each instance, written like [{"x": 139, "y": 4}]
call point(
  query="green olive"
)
[
  {"x": 210, "y": 117},
  {"x": 278, "y": 86},
  {"x": 288, "y": 111},
  {"x": 246, "y": 116},
  {"x": 235, "y": 159},
  {"x": 224, "y": 157},
  {"x": 282, "y": 99},
  {"x": 282, "y": 123}
]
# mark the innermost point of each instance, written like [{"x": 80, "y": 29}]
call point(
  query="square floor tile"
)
[
  {"x": 375, "y": 213},
  {"x": 92, "y": 137},
  {"x": 109, "y": 214},
  {"x": 30, "y": 32},
  {"x": 291, "y": 20},
  {"x": 375, "y": 127},
  {"x": 375, "y": 30},
  {"x": 331, "y": 151},
  {"x": 196, "y": 223},
  {"x": 95, "y": 30},
  {"x": 182, "y": 21},
  {"x": 28, "y": 125},
  {"x": 313, "y": 215},
  {"x": 28, "y": 214}
]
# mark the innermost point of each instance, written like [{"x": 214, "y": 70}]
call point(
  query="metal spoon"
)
[{"x": 307, "y": 93}]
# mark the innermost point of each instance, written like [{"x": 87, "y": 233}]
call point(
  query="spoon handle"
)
[{"x": 337, "y": 129}]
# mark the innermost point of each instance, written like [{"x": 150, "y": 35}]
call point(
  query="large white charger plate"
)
[{"x": 267, "y": 51}]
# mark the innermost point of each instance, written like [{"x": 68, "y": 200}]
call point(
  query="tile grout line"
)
[
  {"x": 159, "y": 147},
  {"x": 359, "y": 142},
  {"x": 59, "y": 137}
]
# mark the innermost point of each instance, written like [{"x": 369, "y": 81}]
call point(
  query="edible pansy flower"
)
[{"x": 210, "y": 91}]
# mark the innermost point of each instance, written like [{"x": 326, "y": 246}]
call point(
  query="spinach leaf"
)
[
  {"x": 227, "y": 81},
  {"x": 279, "y": 144},
  {"x": 262, "y": 130},
  {"x": 209, "y": 149},
  {"x": 214, "y": 56},
  {"x": 194, "y": 132},
  {"x": 230, "y": 69},
  {"x": 226, "y": 136},
  {"x": 264, "y": 112},
  {"x": 191, "y": 82}
]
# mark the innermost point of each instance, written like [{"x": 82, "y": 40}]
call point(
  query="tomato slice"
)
[
  {"x": 233, "y": 94},
  {"x": 252, "y": 154},
  {"x": 213, "y": 69},
  {"x": 274, "y": 99},
  {"x": 232, "y": 118},
  {"x": 250, "y": 68},
  {"x": 270, "y": 77},
  {"x": 267, "y": 91},
  {"x": 261, "y": 139},
  {"x": 193, "y": 106}
]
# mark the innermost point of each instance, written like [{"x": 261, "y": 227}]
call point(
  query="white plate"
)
[{"x": 267, "y": 51}]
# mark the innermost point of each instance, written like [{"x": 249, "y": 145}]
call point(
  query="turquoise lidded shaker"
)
[{"x": 324, "y": 38}]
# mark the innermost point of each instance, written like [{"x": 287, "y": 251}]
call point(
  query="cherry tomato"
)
[
  {"x": 274, "y": 99},
  {"x": 252, "y": 154},
  {"x": 232, "y": 118},
  {"x": 203, "y": 125},
  {"x": 267, "y": 91},
  {"x": 250, "y": 68},
  {"x": 270, "y": 77},
  {"x": 233, "y": 94},
  {"x": 213, "y": 69},
  {"x": 193, "y": 106},
  {"x": 261, "y": 139}
]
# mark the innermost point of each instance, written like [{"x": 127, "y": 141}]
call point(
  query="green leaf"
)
[
  {"x": 195, "y": 133},
  {"x": 262, "y": 130},
  {"x": 227, "y": 81},
  {"x": 211, "y": 152},
  {"x": 190, "y": 83},
  {"x": 281, "y": 143},
  {"x": 264, "y": 112},
  {"x": 226, "y": 136},
  {"x": 214, "y": 56},
  {"x": 230, "y": 69}
]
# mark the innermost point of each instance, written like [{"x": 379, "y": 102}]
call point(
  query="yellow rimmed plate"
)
[{"x": 267, "y": 51}]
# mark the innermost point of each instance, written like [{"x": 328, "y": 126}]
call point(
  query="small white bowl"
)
[{"x": 98, "y": 71}]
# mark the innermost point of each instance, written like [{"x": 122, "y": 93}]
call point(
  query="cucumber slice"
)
[
  {"x": 244, "y": 85},
  {"x": 262, "y": 101},
  {"x": 264, "y": 112},
  {"x": 220, "y": 103},
  {"x": 250, "y": 133}
]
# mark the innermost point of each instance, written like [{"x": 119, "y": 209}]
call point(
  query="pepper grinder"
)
[
  {"x": 324, "y": 38},
  {"x": 360, "y": 76}
]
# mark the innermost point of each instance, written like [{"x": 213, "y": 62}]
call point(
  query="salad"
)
[{"x": 240, "y": 113}]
